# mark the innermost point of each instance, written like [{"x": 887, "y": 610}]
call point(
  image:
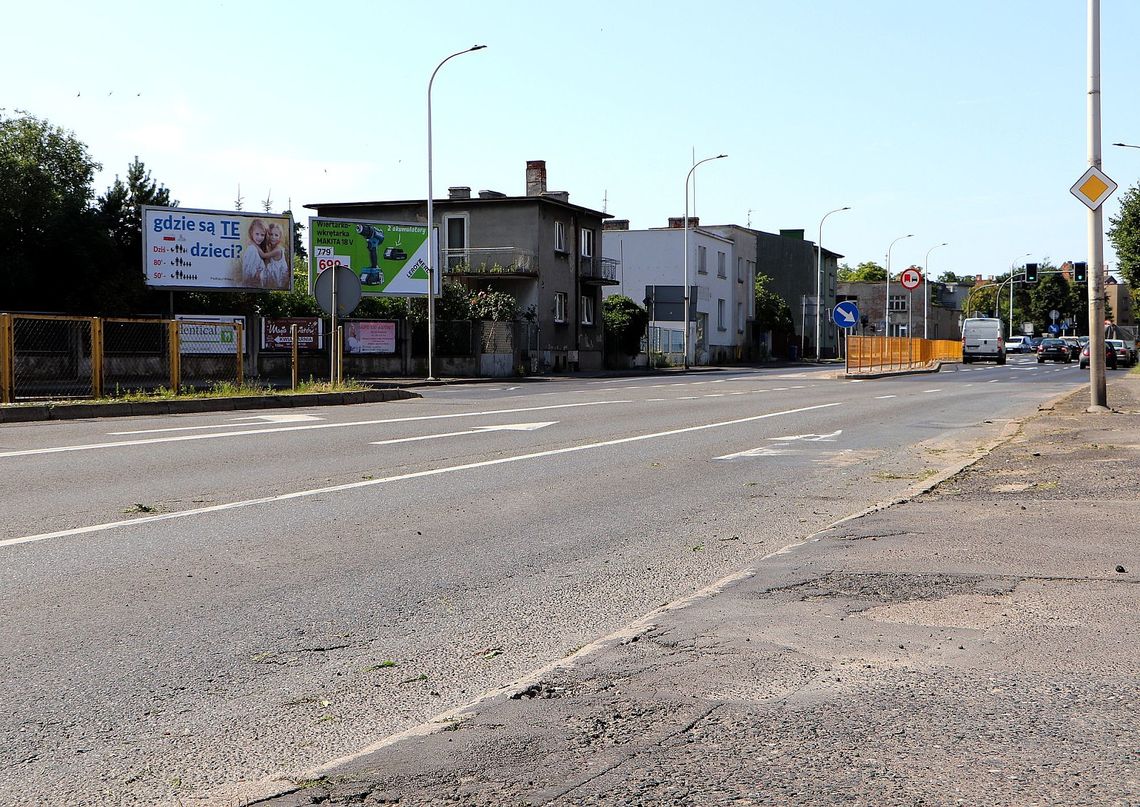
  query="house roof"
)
[{"x": 501, "y": 200}]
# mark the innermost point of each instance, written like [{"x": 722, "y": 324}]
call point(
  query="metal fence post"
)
[
  {"x": 7, "y": 360},
  {"x": 96, "y": 357},
  {"x": 175, "y": 355},
  {"x": 239, "y": 342},
  {"x": 296, "y": 369}
]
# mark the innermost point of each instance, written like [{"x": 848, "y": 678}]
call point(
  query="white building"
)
[{"x": 652, "y": 266}]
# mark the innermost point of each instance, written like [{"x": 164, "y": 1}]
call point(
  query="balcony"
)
[
  {"x": 599, "y": 271},
  {"x": 490, "y": 261}
]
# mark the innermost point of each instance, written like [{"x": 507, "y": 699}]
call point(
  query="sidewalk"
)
[{"x": 975, "y": 644}]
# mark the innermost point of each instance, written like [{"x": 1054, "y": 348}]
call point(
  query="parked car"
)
[
  {"x": 1016, "y": 344},
  {"x": 1123, "y": 354},
  {"x": 1109, "y": 356},
  {"x": 1054, "y": 349},
  {"x": 982, "y": 341}
]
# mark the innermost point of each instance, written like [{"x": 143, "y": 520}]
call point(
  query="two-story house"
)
[{"x": 538, "y": 246}]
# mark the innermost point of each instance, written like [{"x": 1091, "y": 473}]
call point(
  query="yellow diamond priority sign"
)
[{"x": 1093, "y": 188}]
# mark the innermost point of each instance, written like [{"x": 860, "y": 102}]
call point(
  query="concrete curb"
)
[
  {"x": 937, "y": 367},
  {"x": 79, "y": 411}
]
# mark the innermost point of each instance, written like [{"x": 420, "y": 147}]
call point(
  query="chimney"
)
[
  {"x": 678, "y": 222},
  {"x": 562, "y": 196},
  {"x": 615, "y": 224},
  {"x": 459, "y": 192},
  {"x": 535, "y": 177},
  {"x": 491, "y": 195}
]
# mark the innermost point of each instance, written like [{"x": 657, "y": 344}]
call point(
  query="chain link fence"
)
[{"x": 46, "y": 357}]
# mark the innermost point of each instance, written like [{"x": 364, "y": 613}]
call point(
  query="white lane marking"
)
[
  {"x": 714, "y": 395},
  {"x": 186, "y": 437},
  {"x": 653, "y": 400},
  {"x": 762, "y": 451},
  {"x": 510, "y": 427},
  {"x": 301, "y": 494},
  {"x": 933, "y": 390},
  {"x": 993, "y": 380},
  {"x": 689, "y": 398},
  {"x": 884, "y": 397},
  {"x": 288, "y": 418}
]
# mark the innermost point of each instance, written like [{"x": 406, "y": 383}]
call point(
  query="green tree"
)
[
  {"x": 866, "y": 272},
  {"x": 1125, "y": 236},
  {"x": 624, "y": 322},
  {"x": 950, "y": 277},
  {"x": 49, "y": 238},
  {"x": 1050, "y": 293},
  {"x": 772, "y": 311}
]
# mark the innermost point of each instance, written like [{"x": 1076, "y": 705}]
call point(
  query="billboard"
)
[
  {"x": 364, "y": 336},
  {"x": 207, "y": 334},
  {"x": 390, "y": 258},
  {"x": 277, "y": 334},
  {"x": 214, "y": 249}
]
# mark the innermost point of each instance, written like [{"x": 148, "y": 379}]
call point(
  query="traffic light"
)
[
  {"x": 1080, "y": 272},
  {"x": 1030, "y": 273}
]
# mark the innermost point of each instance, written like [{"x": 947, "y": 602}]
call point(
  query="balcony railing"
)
[
  {"x": 603, "y": 270},
  {"x": 505, "y": 261}
]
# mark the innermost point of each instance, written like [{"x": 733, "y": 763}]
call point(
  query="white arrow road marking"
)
[
  {"x": 814, "y": 438},
  {"x": 291, "y": 418},
  {"x": 287, "y": 418},
  {"x": 762, "y": 451},
  {"x": 301, "y": 494},
  {"x": 509, "y": 427}
]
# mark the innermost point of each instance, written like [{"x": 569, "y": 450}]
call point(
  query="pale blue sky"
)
[{"x": 962, "y": 122}]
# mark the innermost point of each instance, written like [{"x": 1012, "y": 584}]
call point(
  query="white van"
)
[{"x": 982, "y": 340}]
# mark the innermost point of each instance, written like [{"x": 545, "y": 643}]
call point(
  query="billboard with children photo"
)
[
  {"x": 213, "y": 249},
  {"x": 389, "y": 257}
]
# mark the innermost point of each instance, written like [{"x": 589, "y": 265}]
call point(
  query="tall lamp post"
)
[
  {"x": 887, "y": 307},
  {"x": 685, "y": 242},
  {"x": 926, "y": 292},
  {"x": 819, "y": 275},
  {"x": 430, "y": 220},
  {"x": 1012, "y": 269}
]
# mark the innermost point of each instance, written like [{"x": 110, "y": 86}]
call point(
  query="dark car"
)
[
  {"x": 1075, "y": 346},
  {"x": 1054, "y": 349},
  {"x": 1109, "y": 356},
  {"x": 1123, "y": 354}
]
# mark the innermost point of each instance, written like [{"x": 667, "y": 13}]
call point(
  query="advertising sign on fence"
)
[
  {"x": 390, "y": 258},
  {"x": 277, "y": 334},
  {"x": 203, "y": 334},
  {"x": 212, "y": 249},
  {"x": 369, "y": 337}
]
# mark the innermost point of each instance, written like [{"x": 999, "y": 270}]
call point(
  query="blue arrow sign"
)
[{"x": 846, "y": 314}]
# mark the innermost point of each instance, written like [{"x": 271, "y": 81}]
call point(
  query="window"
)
[
  {"x": 559, "y": 236},
  {"x": 455, "y": 231},
  {"x": 720, "y": 267},
  {"x": 587, "y": 310},
  {"x": 559, "y": 306},
  {"x": 898, "y": 302},
  {"x": 702, "y": 261},
  {"x": 740, "y": 270},
  {"x": 721, "y": 324},
  {"x": 587, "y": 243},
  {"x": 740, "y": 317}
]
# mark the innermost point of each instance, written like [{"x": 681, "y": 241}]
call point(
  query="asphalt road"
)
[{"x": 195, "y": 603}]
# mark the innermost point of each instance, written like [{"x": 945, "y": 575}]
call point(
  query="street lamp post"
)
[
  {"x": 926, "y": 292},
  {"x": 685, "y": 242},
  {"x": 430, "y": 217},
  {"x": 1012, "y": 269},
  {"x": 819, "y": 275},
  {"x": 887, "y": 307}
]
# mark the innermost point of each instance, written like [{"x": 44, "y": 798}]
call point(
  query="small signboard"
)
[
  {"x": 277, "y": 333},
  {"x": 1093, "y": 188},
  {"x": 846, "y": 314}
]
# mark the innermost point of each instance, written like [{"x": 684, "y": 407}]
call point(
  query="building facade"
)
[{"x": 539, "y": 247}]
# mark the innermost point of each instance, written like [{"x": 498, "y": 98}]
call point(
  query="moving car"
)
[
  {"x": 1123, "y": 354},
  {"x": 1017, "y": 344},
  {"x": 1055, "y": 349},
  {"x": 982, "y": 341},
  {"x": 1109, "y": 356},
  {"x": 1075, "y": 345}
]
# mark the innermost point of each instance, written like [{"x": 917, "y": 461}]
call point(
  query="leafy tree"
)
[
  {"x": 1125, "y": 236},
  {"x": 950, "y": 277},
  {"x": 122, "y": 286},
  {"x": 49, "y": 239},
  {"x": 1052, "y": 292},
  {"x": 624, "y": 322},
  {"x": 495, "y": 306},
  {"x": 866, "y": 272},
  {"x": 772, "y": 311}
]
